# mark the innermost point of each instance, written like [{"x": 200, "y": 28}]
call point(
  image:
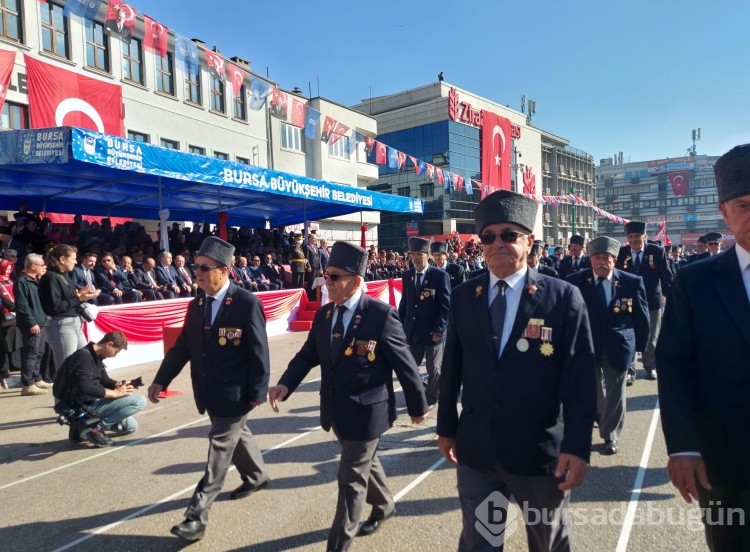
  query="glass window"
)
[
  {"x": 240, "y": 104},
  {"x": 217, "y": 94},
  {"x": 10, "y": 20},
  {"x": 242, "y": 160},
  {"x": 132, "y": 61},
  {"x": 165, "y": 74},
  {"x": 14, "y": 116},
  {"x": 427, "y": 190},
  {"x": 220, "y": 155},
  {"x": 193, "y": 87},
  {"x": 403, "y": 191},
  {"x": 54, "y": 30},
  {"x": 291, "y": 137},
  {"x": 97, "y": 47},
  {"x": 138, "y": 136},
  {"x": 340, "y": 149},
  {"x": 170, "y": 144},
  {"x": 197, "y": 150}
]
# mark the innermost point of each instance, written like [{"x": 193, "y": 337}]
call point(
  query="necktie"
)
[
  {"x": 419, "y": 282},
  {"x": 497, "y": 315},
  {"x": 208, "y": 314},
  {"x": 602, "y": 293},
  {"x": 88, "y": 276},
  {"x": 337, "y": 336},
  {"x": 187, "y": 278},
  {"x": 575, "y": 263},
  {"x": 637, "y": 262}
]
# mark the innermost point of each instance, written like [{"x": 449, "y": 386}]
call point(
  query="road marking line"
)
[
  {"x": 418, "y": 480},
  {"x": 627, "y": 524}
]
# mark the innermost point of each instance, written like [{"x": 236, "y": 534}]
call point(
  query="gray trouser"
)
[
  {"x": 230, "y": 442},
  {"x": 485, "y": 498},
  {"x": 649, "y": 361},
  {"x": 610, "y": 401},
  {"x": 361, "y": 481},
  {"x": 434, "y": 363},
  {"x": 65, "y": 337}
]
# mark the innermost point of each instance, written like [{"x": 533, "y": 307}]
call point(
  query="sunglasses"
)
[
  {"x": 713, "y": 243},
  {"x": 508, "y": 236},
  {"x": 207, "y": 268},
  {"x": 337, "y": 277}
]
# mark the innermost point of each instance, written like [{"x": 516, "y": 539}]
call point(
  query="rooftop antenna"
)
[{"x": 696, "y": 136}]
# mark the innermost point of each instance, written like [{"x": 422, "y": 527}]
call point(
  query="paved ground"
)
[{"x": 59, "y": 496}]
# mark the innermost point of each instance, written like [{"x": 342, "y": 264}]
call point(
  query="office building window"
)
[
  {"x": 170, "y": 144},
  {"x": 164, "y": 74},
  {"x": 138, "y": 136},
  {"x": 14, "y": 116},
  {"x": 340, "y": 149},
  {"x": 197, "y": 150},
  {"x": 427, "y": 190},
  {"x": 403, "y": 191},
  {"x": 54, "y": 30},
  {"x": 97, "y": 47},
  {"x": 132, "y": 61},
  {"x": 217, "y": 95},
  {"x": 193, "y": 87},
  {"x": 240, "y": 104},
  {"x": 10, "y": 20},
  {"x": 242, "y": 160},
  {"x": 220, "y": 155},
  {"x": 291, "y": 137}
]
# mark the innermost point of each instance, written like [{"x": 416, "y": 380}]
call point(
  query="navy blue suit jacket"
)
[
  {"x": 622, "y": 328},
  {"x": 356, "y": 390},
  {"x": 566, "y": 266},
  {"x": 425, "y": 314},
  {"x": 167, "y": 276},
  {"x": 522, "y": 410},
  {"x": 656, "y": 274},
  {"x": 702, "y": 357}
]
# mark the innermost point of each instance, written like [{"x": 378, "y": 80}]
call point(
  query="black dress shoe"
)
[
  {"x": 246, "y": 489},
  {"x": 651, "y": 375},
  {"x": 189, "y": 530},
  {"x": 611, "y": 447},
  {"x": 629, "y": 380},
  {"x": 370, "y": 526}
]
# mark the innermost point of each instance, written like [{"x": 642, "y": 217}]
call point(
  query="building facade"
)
[
  {"x": 679, "y": 192},
  {"x": 191, "y": 110},
  {"x": 443, "y": 125}
]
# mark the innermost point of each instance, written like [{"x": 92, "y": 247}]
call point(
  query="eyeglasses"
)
[
  {"x": 713, "y": 243},
  {"x": 337, "y": 277},
  {"x": 508, "y": 236},
  {"x": 207, "y": 268}
]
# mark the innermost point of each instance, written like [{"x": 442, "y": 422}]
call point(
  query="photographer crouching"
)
[{"x": 83, "y": 382}]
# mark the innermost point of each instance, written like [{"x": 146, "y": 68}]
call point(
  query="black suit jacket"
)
[
  {"x": 356, "y": 394},
  {"x": 702, "y": 357},
  {"x": 565, "y": 268},
  {"x": 456, "y": 273},
  {"x": 624, "y": 326},
  {"x": 425, "y": 314},
  {"x": 226, "y": 377},
  {"x": 166, "y": 276},
  {"x": 657, "y": 277},
  {"x": 522, "y": 410}
]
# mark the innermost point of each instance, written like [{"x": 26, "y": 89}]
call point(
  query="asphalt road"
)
[{"x": 59, "y": 496}]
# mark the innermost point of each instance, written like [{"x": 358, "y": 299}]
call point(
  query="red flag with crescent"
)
[
  {"x": 381, "y": 154},
  {"x": 338, "y": 131},
  {"x": 7, "y": 61},
  {"x": 496, "y": 151},
  {"x": 236, "y": 76},
  {"x": 298, "y": 113},
  {"x": 679, "y": 183},
  {"x": 156, "y": 36}
]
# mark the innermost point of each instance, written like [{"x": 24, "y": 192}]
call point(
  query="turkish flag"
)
[
  {"x": 58, "y": 97},
  {"x": 120, "y": 20},
  {"x": 298, "y": 113},
  {"x": 401, "y": 160},
  {"x": 155, "y": 36},
  {"x": 338, "y": 131},
  {"x": 496, "y": 151},
  {"x": 431, "y": 171},
  {"x": 236, "y": 76},
  {"x": 279, "y": 104},
  {"x": 679, "y": 183},
  {"x": 381, "y": 157},
  {"x": 328, "y": 125},
  {"x": 7, "y": 61},
  {"x": 369, "y": 144},
  {"x": 441, "y": 177},
  {"x": 215, "y": 63}
]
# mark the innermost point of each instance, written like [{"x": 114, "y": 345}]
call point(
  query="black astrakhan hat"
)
[
  {"x": 732, "y": 171},
  {"x": 439, "y": 247},
  {"x": 535, "y": 249},
  {"x": 419, "y": 245},
  {"x": 635, "y": 227},
  {"x": 713, "y": 236},
  {"x": 604, "y": 244},
  {"x": 349, "y": 257},
  {"x": 702, "y": 239},
  {"x": 506, "y": 206},
  {"x": 577, "y": 240},
  {"x": 218, "y": 250}
]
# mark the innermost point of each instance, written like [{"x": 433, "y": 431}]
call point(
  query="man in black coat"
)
[
  {"x": 224, "y": 339},
  {"x": 520, "y": 354},
  {"x": 649, "y": 261},
  {"x": 576, "y": 261},
  {"x": 358, "y": 343},
  {"x": 312, "y": 255},
  {"x": 456, "y": 272},
  {"x": 701, "y": 250},
  {"x": 704, "y": 381},
  {"x": 423, "y": 310},
  {"x": 618, "y": 313}
]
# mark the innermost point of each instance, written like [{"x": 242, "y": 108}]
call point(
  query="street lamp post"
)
[{"x": 574, "y": 191}]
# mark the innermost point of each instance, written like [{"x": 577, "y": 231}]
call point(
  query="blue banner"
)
[{"x": 82, "y": 8}]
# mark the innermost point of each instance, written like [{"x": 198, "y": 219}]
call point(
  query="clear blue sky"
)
[{"x": 635, "y": 76}]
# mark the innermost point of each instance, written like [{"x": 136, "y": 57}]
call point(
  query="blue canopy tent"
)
[{"x": 73, "y": 170}]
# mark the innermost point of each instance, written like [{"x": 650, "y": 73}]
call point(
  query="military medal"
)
[
  {"x": 522, "y": 345},
  {"x": 617, "y": 306},
  {"x": 421, "y": 297},
  {"x": 651, "y": 261},
  {"x": 427, "y": 292},
  {"x": 222, "y": 341},
  {"x": 348, "y": 351},
  {"x": 371, "y": 350},
  {"x": 533, "y": 329},
  {"x": 630, "y": 305},
  {"x": 546, "y": 347},
  {"x": 236, "y": 342}
]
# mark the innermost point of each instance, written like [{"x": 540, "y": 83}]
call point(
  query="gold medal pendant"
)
[
  {"x": 546, "y": 349},
  {"x": 522, "y": 345},
  {"x": 617, "y": 309},
  {"x": 348, "y": 352},
  {"x": 236, "y": 342},
  {"x": 222, "y": 341},
  {"x": 371, "y": 356}
]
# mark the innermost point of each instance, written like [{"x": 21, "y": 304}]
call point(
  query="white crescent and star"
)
[
  {"x": 498, "y": 131},
  {"x": 77, "y": 105},
  {"x": 130, "y": 11}
]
